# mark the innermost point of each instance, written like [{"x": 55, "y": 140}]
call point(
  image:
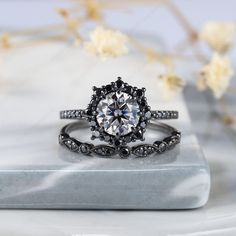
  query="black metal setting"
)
[
  {"x": 118, "y": 143},
  {"x": 98, "y": 132},
  {"x": 137, "y": 94},
  {"x": 124, "y": 151}
]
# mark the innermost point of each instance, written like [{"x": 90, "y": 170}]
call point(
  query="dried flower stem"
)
[
  {"x": 163, "y": 58},
  {"x": 227, "y": 118},
  {"x": 38, "y": 42},
  {"x": 191, "y": 32},
  {"x": 39, "y": 30}
]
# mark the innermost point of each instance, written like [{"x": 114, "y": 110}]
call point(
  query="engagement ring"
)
[{"x": 119, "y": 114}]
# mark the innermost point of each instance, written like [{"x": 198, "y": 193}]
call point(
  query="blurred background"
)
[{"x": 148, "y": 17}]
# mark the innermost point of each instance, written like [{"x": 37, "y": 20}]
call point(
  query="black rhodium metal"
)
[
  {"x": 118, "y": 113},
  {"x": 124, "y": 151}
]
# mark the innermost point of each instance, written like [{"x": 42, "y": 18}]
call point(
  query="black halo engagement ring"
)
[{"x": 119, "y": 114}]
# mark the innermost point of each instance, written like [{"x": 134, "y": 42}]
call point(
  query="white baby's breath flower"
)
[
  {"x": 217, "y": 75},
  {"x": 219, "y": 35},
  {"x": 107, "y": 43},
  {"x": 172, "y": 84}
]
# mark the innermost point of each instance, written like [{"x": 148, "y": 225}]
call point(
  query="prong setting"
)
[{"x": 119, "y": 87}]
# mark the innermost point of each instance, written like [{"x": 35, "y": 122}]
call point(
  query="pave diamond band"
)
[
  {"x": 141, "y": 150},
  {"x": 73, "y": 114},
  {"x": 82, "y": 114},
  {"x": 165, "y": 115}
]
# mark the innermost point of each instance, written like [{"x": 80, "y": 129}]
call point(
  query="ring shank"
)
[
  {"x": 141, "y": 150},
  {"x": 155, "y": 114}
]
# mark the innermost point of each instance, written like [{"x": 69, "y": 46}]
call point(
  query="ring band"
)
[
  {"x": 141, "y": 150},
  {"x": 82, "y": 114}
]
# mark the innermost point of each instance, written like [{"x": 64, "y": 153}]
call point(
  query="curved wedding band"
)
[{"x": 141, "y": 150}]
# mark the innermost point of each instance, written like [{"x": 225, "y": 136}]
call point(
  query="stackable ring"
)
[
  {"x": 119, "y": 114},
  {"x": 141, "y": 150}
]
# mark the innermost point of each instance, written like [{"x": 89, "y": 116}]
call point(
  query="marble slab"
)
[
  {"x": 35, "y": 172},
  {"x": 168, "y": 182}
]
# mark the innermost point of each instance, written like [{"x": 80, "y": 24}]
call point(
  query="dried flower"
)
[
  {"x": 63, "y": 12},
  {"x": 172, "y": 83},
  {"x": 107, "y": 43},
  {"x": 219, "y": 35},
  {"x": 93, "y": 10},
  {"x": 72, "y": 23},
  {"x": 5, "y": 41},
  {"x": 217, "y": 75}
]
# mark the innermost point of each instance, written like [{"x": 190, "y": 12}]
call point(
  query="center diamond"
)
[{"x": 118, "y": 113}]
